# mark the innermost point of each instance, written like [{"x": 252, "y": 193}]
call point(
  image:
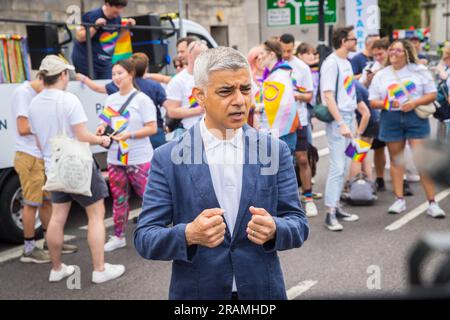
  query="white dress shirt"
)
[{"x": 225, "y": 159}]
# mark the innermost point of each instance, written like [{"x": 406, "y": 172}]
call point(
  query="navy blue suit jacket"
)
[{"x": 178, "y": 191}]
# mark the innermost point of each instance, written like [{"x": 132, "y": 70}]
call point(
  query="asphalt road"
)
[{"x": 363, "y": 260}]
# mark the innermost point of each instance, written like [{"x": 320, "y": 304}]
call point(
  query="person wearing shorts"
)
[
  {"x": 52, "y": 108},
  {"x": 301, "y": 73},
  {"x": 398, "y": 89},
  {"x": 29, "y": 166}
]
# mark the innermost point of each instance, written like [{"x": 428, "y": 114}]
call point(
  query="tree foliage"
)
[{"x": 399, "y": 14}]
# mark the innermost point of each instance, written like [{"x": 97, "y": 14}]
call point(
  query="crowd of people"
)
[{"x": 371, "y": 96}]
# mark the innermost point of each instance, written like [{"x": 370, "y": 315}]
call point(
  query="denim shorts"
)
[
  {"x": 302, "y": 139},
  {"x": 400, "y": 126}
]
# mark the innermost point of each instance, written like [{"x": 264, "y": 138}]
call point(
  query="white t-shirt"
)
[
  {"x": 346, "y": 97},
  {"x": 21, "y": 100},
  {"x": 50, "y": 112},
  {"x": 416, "y": 79},
  {"x": 180, "y": 89},
  {"x": 142, "y": 110},
  {"x": 302, "y": 74}
]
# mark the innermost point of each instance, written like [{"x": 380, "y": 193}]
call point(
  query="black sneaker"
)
[
  {"x": 407, "y": 189},
  {"x": 342, "y": 215},
  {"x": 380, "y": 186},
  {"x": 332, "y": 223}
]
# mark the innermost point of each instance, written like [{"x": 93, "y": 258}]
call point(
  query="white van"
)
[{"x": 11, "y": 228}]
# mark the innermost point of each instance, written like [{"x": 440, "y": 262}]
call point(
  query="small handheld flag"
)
[{"x": 357, "y": 150}]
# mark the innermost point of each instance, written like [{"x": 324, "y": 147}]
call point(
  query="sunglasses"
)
[{"x": 351, "y": 39}]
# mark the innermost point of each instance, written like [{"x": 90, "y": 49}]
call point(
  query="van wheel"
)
[{"x": 11, "y": 208}]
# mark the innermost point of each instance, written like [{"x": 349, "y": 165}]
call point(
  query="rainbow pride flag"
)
[
  {"x": 122, "y": 153},
  {"x": 123, "y": 49},
  {"x": 357, "y": 150},
  {"x": 387, "y": 103},
  {"x": 193, "y": 102},
  {"x": 281, "y": 115},
  {"x": 109, "y": 113},
  {"x": 297, "y": 87}
]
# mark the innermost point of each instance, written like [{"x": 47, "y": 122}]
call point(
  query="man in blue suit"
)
[{"x": 223, "y": 199}]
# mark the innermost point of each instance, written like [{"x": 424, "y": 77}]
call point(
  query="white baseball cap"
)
[{"x": 54, "y": 65}]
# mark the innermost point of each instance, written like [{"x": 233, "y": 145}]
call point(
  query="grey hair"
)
[{"x": 217, "y": 59}]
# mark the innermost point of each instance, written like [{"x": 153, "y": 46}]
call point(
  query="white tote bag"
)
[{"x": 71, "y": 162}]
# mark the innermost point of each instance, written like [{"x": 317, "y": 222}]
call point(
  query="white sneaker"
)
[
  {"x": 111, "y": 272},
  {"x": 398, "y": 207},
  {"x": 435, "y": 211},
  {"x": 115, "y": 243},
  {"x": 311, "y": 209},
  {"x": 65, "y": 271}
]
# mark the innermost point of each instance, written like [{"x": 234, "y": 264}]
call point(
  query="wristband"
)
[
  {"x": 340, "y": 123},
  {"x": 133, "y": 136}
]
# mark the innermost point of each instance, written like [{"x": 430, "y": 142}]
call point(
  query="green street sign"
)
[{"x": 298, "y": 12}]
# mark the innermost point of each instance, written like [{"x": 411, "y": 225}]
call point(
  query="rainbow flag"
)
[
  {"x": 349, "y": 84},
  {"x": 282, "y": 116},
  {"x": 108, "y": 113},
  {"x": 193, "y": 102},
  {"x": 357, "y": 150},
  {"x": 298, "y": 87},
  {"x": 122, "y": 153},
  {"x": 123, "y": 49},
  {"x": 387, "y": 103}
]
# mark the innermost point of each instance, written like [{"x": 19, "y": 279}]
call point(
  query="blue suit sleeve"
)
[
  {"x": 153, "y": 238},
  {"x": 292, "y": 224}
]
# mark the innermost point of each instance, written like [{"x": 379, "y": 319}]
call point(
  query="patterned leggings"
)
[{"x": 120, "y": 177}]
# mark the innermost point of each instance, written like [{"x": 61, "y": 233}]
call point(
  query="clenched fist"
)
[
  {"x": 207, "y": 230},
  {"x": 261, "y": 227}
]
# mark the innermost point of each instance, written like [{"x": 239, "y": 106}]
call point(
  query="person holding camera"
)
[{"x": 129, "y": 118}]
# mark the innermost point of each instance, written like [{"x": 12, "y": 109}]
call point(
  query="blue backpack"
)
[{"x": 442, "y": 106}]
